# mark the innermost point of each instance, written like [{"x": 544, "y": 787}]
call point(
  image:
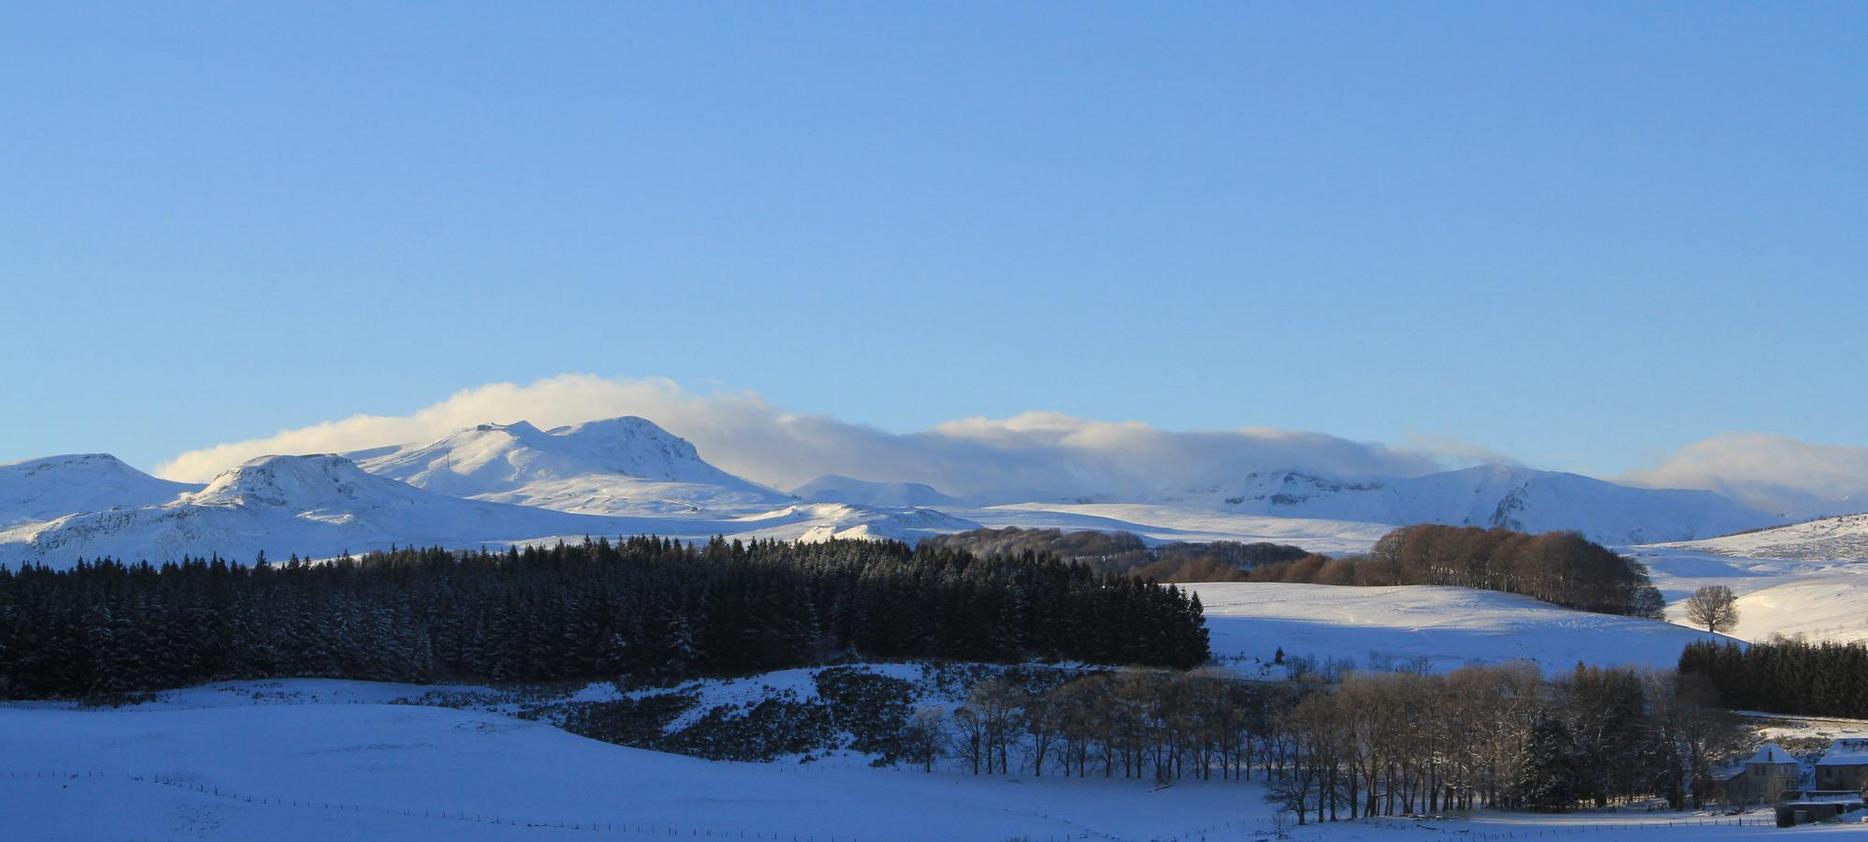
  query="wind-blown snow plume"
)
[
  {"x": 1031, "y": 455},
  {"x": 1772, "y": 473}
]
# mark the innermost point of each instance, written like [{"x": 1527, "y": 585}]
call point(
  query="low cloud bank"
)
[
  {"x": 1777, "y": 474},
  {"x": 1033, "y": 455}
]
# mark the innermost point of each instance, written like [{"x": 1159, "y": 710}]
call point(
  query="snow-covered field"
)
[
  {"x": 1806, "y": 579},
  {"x": 1439, "y": 628},
  {"x": 323, "y": 760},
  {"x": 1159, "y": 522}
]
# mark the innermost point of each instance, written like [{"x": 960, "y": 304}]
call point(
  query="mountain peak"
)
[
  {"x": 282, "y": 480},
  {"x": 605, "y": 466},
  {"x": 53, "y": 486}
]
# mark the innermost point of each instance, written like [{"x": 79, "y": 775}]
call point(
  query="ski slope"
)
[
  {"x": 1438, "y": 628},
  {"x": 313, "y": 760}
]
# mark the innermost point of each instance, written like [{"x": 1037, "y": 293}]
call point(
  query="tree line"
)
[
  {"x": 1376, "y": 744},
  {"x": 645, "y": 607},
  {"x": 1562, "y": 568},
  {"x": 1124, "y": 552},
  {"x": 1785, "y": 676}
]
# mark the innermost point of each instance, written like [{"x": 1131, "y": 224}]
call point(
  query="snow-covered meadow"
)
[
  {"x": 321, "y": 760},
  {"x": 1425, "y": 627}
]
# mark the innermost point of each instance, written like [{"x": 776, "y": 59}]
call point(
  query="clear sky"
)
[{"x": 1582, "y": 235}]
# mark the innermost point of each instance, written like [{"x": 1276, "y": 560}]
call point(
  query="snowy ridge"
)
[
  {"x": 319, "y": 506},
  {"x": 1843, "y": 538},
  {"x": 815, "y": 522},
  {"x": 835, "y": 488},
  {"x": 1495, "y": 496},
  {"x": 622, "y": 465},
  {"x": 55, "y": 486}
]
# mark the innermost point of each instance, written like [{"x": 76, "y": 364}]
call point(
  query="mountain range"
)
[{"x": 495, "y": 484}]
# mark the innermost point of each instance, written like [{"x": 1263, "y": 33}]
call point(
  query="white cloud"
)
[
  {"x": 1775, "y": 473},
  {"x": 1035, "y": 453}
]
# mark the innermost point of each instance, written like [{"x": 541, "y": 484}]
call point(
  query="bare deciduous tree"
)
[{"x": 1713, "y": 606}]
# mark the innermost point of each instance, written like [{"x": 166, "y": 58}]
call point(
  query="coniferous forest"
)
[
  {"x": 1785, "y": 676},
  {"x": 648, "y": 607}
]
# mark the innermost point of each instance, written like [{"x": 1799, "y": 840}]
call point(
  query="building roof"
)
[
  {"x": 1851, "y": 752},
  {"x": 1770, "y": 753}
]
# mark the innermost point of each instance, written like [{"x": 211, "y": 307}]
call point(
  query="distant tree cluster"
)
[
  {"x": 1377, "y": 744},
  {"x": 1123, "y": 552},
  {"x": 1785, "y": 676},
  {"x": 644, "y": 606},
  {"x": 1562, "y": 568}
]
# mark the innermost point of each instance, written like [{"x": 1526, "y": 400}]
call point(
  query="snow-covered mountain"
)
[
  {"x": 316, "y": 506},
  {"x": 43, "y": 489},
  {"x": 1497, "y": 495},
  {"x": 835, "y": 488},
  {"x": 499, "y": 483},
  {"x": 615, "y": 466}
]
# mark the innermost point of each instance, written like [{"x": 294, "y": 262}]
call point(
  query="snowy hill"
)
[
  {"x": 834, "y": 488},
  {"x": 1843, "y": 538},
  {"x": 316, "y": 759},
  {"x": 615, "y": 466},
  {"x": 1804, "y": 579},
  {"x": 1440, "y": 628},
  {"x": 1496, "y": 495},
  {"x": 313, "y": 505},
  {"x": 43, "y": 489},
  {"x": 825, "y": 521}
]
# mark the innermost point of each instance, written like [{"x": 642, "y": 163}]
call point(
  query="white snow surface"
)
[
  {"x": 324, "y": 506},
  {"x": 1843, "y": 538},
  {"x": 321, "y": 760},
  {"x": 1439, "y": 628},
  {"x": 316, "y": 506},
  {"x": 824, "y": 521},
  {"x": 1491, "y": 495},
  {"x": 1808, "y": 579},
  {"x": 43, "y": 489},
  {"x": 615, "y": 466}
]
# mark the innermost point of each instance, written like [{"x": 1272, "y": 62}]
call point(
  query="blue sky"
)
[{"x": 1581, "y": 235}]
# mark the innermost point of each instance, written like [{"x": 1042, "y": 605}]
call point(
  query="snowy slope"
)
[
  {"x": 1493, "y": 495},
  {"x": 1843, "y": 538},
  {"x": 397, "y": 772},
  {"x": 1441, "y": 627},
  {"x": 43, "y": 489},
  {"x": 834, "y": 488},
  {"x": 318, "y": 506},
  {"x": 615, "y": 466},
  {"x": 304, "y": 760},
  {"x": 1807, "y": 579},
  {"x": 824, "y": 521}
]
